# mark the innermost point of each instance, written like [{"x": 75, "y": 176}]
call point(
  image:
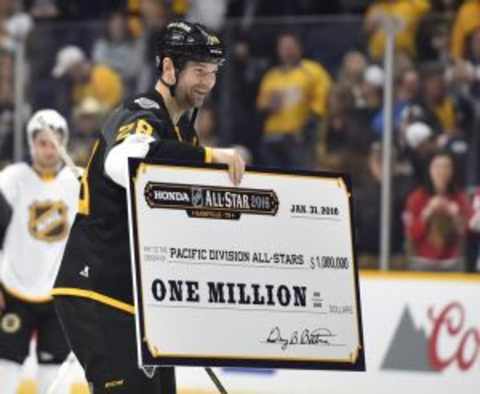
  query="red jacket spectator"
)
[
  {"x": 422, "y": 208},
  {"x": 436, "y": 218}
]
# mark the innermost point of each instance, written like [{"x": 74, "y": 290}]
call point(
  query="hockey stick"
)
[
  {"x": 62, "y": 372},
  {"x": 215, "y": 380}
]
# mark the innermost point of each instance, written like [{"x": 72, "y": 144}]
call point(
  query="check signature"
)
[{"x": 318, "y": 336}]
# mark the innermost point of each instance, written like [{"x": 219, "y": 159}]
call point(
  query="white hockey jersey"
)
[{"x": 43, "y": 212}]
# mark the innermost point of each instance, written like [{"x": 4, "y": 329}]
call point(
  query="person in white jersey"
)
[{"x": 37, "y": 205}]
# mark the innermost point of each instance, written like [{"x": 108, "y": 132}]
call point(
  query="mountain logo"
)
[{"x": 408, "y": 350}]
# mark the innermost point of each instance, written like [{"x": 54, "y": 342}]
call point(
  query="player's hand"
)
[
  {"x": 235, "y": 163},
  {"x": 3, "y": 304}
]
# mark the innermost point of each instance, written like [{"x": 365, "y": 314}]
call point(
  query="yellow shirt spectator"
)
[
  {"x": 466, "y": 22},
  {"x": 180, "y": 7},
  {"x": 104, "y": 84},
  {"x": 135, "y": 23},
  {"x": 300, "y": 91},
  {"x": 89, "y": 80},
  {"x": 410, "y": 12}
]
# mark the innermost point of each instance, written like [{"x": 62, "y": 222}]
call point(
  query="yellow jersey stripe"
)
[{"x": 66, "y": 291}]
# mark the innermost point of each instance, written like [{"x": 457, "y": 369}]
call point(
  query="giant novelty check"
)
[{"x": 260, "y": 275}]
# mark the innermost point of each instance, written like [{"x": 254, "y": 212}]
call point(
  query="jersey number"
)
[{"x": 138, "y": 127}]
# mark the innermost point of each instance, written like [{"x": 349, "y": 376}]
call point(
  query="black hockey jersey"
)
[{"x": 96, "y": 263}]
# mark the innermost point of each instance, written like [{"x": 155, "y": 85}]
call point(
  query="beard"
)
[
  {"x": 197, "y": 100},
  {"x": 192, "y": 98}
]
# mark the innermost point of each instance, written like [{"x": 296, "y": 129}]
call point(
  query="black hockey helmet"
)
[{"x": 185, "y": 41}]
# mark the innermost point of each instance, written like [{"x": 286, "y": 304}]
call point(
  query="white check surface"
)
[{"x": 321, "y": 326}]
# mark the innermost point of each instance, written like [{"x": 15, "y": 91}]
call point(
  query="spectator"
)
[
  {"x": 367, "y": 199},
  {"x": 406, "y": 93},
  {"x": 465, "y": 74},
  {"x": 433, "y": 41},
  {"x": 347, "y": 135},
  {"x": 135, "y": 23},
  {"x": 439, "y": 107},
  {"x": 419, "y": 145},
  {"x": 290, "y": 94},
  {"x": 89, "y": 80},
  {"x": 453, "y": 139},
  {"x": 433, "y": 36},
  {"x": 436, "y": 219},
  {"x": 447, "y": 115},
  {"x": 87, "y": 122},
  {"x": 352, "y": 70},
  {"x": 179, "y": 8},
  {"x": 119, "y": 50},
  {"x": 466, "y": 22},
  {"x": 347, "y": 131},
  {"x": 408, "y": 12},
  {"x": 372, "y": 89},
  {"x": 340, "y": 105}
]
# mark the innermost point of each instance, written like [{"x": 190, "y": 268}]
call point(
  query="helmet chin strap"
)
[
  {"x": 171, "y": 87},
  {"x": 177, "y": 67}
]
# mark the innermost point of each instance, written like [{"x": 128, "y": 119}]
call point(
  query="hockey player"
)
[
  {"x": 93, "y": 291},
  {"x": 38, "y": 204}
]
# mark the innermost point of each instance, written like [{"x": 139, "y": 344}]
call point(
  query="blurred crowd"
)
[{"x": 302, "y": 89}]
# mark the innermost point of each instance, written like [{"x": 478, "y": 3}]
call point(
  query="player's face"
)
[
  {"x": 195, "y": 83},
  {"x": 44, "y": 152}
]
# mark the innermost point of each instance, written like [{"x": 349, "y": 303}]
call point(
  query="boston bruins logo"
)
[
  {"x": 10, "y": 323},
  {"x": 48, "y": 221}
]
